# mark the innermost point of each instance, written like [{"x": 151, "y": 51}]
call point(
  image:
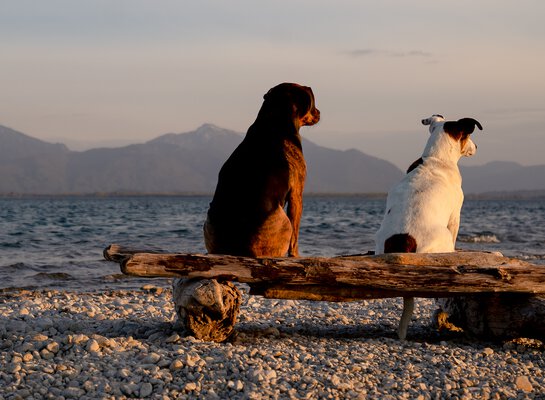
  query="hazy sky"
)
[{"x": 132, "y": 70}]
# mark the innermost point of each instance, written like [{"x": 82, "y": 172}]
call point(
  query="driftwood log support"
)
[
  {"x": 206, "y": 308},
  {"x": 483, "y": 293}
]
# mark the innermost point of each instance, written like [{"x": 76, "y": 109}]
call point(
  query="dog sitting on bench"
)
[
  {"x": 423, "y": 209},
  {"x": 258, "y": 201},
  {"x": 256, "y": 208}
]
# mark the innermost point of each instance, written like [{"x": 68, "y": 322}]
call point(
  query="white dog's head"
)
[{"x": 450, "y": 140}]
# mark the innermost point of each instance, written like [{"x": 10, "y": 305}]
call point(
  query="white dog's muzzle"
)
[{"x": 469, "y": 148}]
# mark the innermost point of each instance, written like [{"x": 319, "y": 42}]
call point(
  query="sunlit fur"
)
[
  {"x": 427, "y": 202},
  {"x": 258, "y": 202}
]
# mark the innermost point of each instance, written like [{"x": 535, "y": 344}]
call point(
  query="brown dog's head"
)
[{"x": 293, "y": 100}]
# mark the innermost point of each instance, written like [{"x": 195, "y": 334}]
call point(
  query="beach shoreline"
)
[{"x": 126, "y": 344}]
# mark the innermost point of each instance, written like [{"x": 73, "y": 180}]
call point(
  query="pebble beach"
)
[{"x": 126, "y": 344}]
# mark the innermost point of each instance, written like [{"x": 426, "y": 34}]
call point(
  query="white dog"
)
[{"x": 423, "y": 210}]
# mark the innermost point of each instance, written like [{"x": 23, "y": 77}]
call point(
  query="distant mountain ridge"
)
[
  {"x": 498, "y": 176},
  {"x": 188, "y": 163},
  {"x": 170, "y": 164}
]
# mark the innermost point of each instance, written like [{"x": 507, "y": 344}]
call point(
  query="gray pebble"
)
[{"x": 146, "y": 389}]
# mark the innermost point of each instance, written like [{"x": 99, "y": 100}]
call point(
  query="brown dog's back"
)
[
  {"x": 257, "y": 204},
  {"x": 246, "y": 215}
]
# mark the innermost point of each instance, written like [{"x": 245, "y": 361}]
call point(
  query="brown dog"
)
[{"x": 248, "y": 214}]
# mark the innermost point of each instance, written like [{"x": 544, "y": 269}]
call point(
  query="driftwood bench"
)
[{"x": 484, "y": 293}]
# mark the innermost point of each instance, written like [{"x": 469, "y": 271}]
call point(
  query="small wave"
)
[
  {"x": 115, "y": 277},
  {"x": 12, "y": 245},
  {"x": 532, "y": 257},
  {"x": 480, "y": 238},
  {"x": 54, "y": 276},
  {"x": 13, "y": 267}
]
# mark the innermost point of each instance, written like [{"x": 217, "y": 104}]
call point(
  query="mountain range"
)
[{"x": 188, "y": 163}]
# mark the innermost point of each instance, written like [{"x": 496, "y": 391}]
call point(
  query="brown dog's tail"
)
[{"x": 400, "y": 243}]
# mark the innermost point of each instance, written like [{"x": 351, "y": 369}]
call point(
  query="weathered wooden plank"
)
[
  {"x": 490, "y": 295},
  {"x": 118, "y": 253},
  {"x": 320, "y": 292},
  {"x": 389, "y": 275}
]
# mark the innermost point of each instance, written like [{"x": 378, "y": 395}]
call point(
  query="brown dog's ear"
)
[
  {"x": 269, "y": 94},
  {"x": 462, "y": 127},
  {"x": 302, "y": 100},
  {"x": 290, "y": 98}
]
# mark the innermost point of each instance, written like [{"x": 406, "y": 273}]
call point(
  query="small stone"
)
[
  {"x": 17, "y": 359},
  {"x": 27, "y": 346},
  {"x": 24, "y": 311},
  {"x": 271, "y": 331},
  {"x": 79, "y": 339},
  {"x": 190, "y": 386},
  {"x": 73, "y": 393},
  {"x": 39, "y": 338},
  {"x": 43, "y": 323},
  {"x": 126, "y": 389},
  {"x": 48, "y": 370},
  {"x": 488, "y": 351},
  {"x": 152, "y": 358},
  {"x": 53, "y": 347},
  {"x": 27, "y": 357},
  {"x": 46, "y": 354},
  {"x": 523, "y": 383},
  {"x": 150, "y": 288},
  {"x": 176, "y": 365},
  {"x": 89, "y": 386},
  {"x": 173, "y": 339},
  {"x": 146, "y": 389},
  {"x": 24, "y": 393},
  {"x": 93, "y": 346},
  {"x": 269, "y": 374},
  {"x": 191, "y": 361},
  {"x": 124, "y": 373},
  {"x": 14, "y": 368}
]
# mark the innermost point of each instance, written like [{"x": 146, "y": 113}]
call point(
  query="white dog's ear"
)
[
  {"x": 468, "y": 125},
  {"x": 464, "y": 126},
  {"x": 433, "y": 118}
]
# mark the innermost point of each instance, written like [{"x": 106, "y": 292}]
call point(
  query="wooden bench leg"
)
[
  {"x": 207, "y": 309},
  {"x": 496, "y": 316},
  {"x": 408, "y": 308}
]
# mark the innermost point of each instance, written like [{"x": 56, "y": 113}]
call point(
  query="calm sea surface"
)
[{"x": 58, "y": 242}]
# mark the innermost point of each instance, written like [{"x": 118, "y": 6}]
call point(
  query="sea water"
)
[{"x": 57, "y": 243}]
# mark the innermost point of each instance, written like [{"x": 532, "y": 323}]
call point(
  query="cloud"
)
[{"x": 388, "y": 53}]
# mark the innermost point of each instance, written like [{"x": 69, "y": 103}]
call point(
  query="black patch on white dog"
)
[
  {"x": 464, "y": 126},
  {"x": 415, "y": 164},
  {"x": 400, "y": 243}
]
